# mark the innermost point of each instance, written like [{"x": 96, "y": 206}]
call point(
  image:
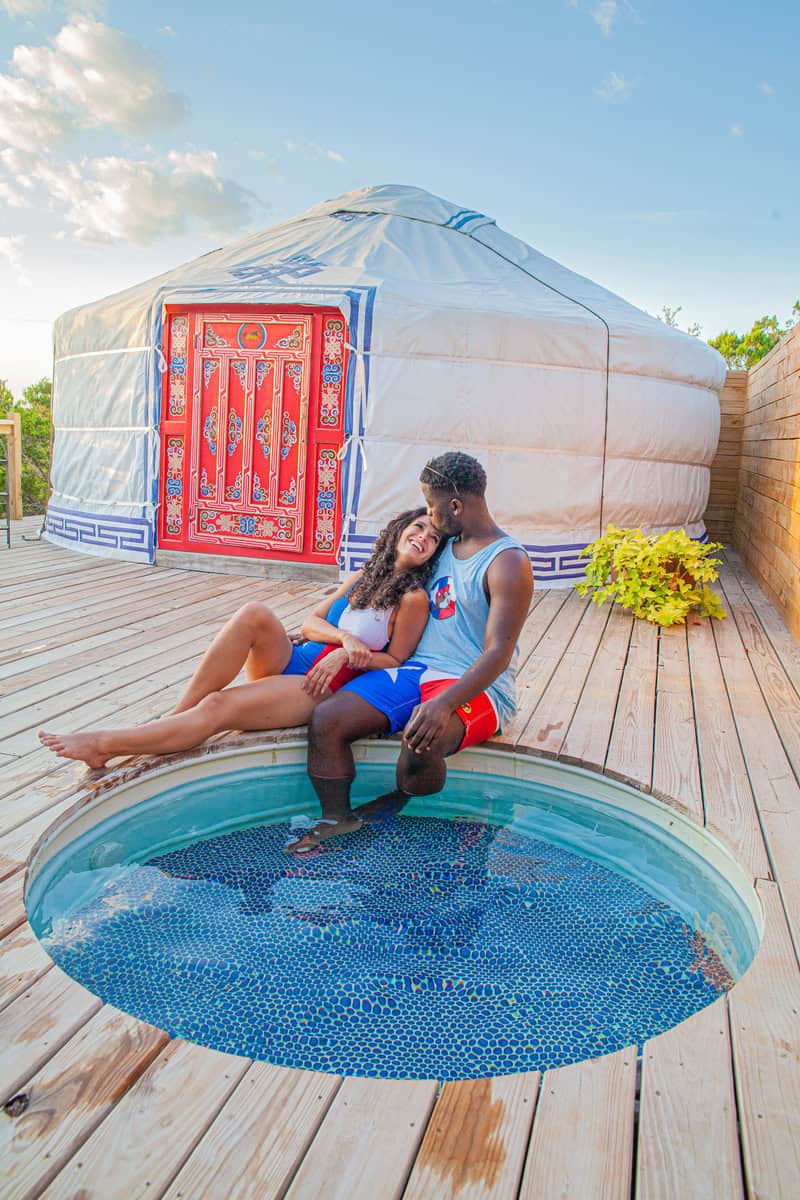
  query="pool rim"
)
[{"x": 95, "y": 804}]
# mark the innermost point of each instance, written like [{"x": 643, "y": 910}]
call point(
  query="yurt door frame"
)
[{"x": 251, "y": 429}]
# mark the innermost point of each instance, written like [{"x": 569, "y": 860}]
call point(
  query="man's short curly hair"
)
[{"x": 454, "y": 472}]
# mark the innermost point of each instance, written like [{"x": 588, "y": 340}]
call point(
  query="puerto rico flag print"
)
[{"x": 443, "y": 598}]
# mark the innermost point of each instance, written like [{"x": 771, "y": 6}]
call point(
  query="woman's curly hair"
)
[{"x": 378, "y": 586}]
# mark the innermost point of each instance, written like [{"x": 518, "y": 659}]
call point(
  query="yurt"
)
[{"x": 275, "y": 400}]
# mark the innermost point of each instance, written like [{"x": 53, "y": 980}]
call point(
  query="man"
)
[{"x": 459, "y": 687}]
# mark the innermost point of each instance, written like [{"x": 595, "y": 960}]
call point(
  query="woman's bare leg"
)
[
  {"x": 276, "y": 703},
  {"x": 253, "y": 638}
]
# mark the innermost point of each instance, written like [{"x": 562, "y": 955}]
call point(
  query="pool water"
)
[{"x": 500, "y": 927}]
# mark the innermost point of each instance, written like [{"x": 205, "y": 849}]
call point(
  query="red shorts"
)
[
  {"x": 343, "y": 675},
  {"x": 479, "y": 715}
]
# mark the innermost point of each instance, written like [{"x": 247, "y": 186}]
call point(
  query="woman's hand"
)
[
  {"x": 358, "y": 655},
  {"x": 318, "y": 680}
]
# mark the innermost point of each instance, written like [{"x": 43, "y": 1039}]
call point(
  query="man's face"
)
[{"x": 444, "y": 510}]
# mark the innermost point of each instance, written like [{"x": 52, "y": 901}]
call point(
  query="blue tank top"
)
[{"x": 454, "y": 635}]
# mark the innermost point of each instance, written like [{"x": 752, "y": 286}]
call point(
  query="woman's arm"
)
[
  {"x": 409, "y": 621},
  {"x": 316, "y": 628}
]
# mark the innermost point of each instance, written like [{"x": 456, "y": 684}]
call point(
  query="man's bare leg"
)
[
  {"x": 275, "y": 703},
  {"x": 253, "y": 638},
  {"x": 416, "y": 775},
  {"x": 333, "y": 726}
]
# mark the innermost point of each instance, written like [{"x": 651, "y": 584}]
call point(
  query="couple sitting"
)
[{"x": 356, "y": 675}]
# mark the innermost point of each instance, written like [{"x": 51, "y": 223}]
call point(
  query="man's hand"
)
[
  {"x": 358, "y": 655},
  {"x": 318, "y": 680},
  {"x": 428, "y": 725}
]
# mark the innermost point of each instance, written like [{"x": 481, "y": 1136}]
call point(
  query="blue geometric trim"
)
[
  {"x": 550, "y": 564},
  {"x": 134, "y": 534}
]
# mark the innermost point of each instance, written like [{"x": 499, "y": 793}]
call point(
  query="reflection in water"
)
[{"x": 421, "y": 947}]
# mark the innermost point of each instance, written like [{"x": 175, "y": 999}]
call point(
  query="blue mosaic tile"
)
[{"x": 421, "y": 948}]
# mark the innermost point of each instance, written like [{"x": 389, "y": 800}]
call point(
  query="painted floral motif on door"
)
[{"x": 250, "y": 396}]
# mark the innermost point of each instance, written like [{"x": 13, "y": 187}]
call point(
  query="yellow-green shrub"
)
[{"x": 659, "y": 577}]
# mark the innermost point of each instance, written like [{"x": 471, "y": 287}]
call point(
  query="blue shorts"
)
[
  {"x": 394, "y": 691},
  {"x": 303, "y": 658}
]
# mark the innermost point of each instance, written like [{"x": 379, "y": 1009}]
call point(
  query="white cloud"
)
[
  {"x": 737, "y": 130},
  {"x": 25, "y": 8},
  {"x": 615, "y": 87},
  {"x": 100, "y": 77},
  {"x": 605, "y": 13},
  {"x": 29, "y": 117},
  {"x": 136, "y": 200},
  {"x": 167, "y": 30},
  {"x": 313, "y": 150},
  {"x": 767, "y": 89},
  {"x": 11, "y": 251}
]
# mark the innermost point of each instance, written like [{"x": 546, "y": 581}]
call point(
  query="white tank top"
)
[{"x": 369, "y": 625}]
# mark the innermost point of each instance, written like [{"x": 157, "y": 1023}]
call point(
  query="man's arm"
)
[{"x": 510, "y": 581}]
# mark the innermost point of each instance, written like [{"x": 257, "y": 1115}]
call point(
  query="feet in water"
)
[
  {"x": 83, "y": 746},
  {"x": 309, "y": 842},
  {"x": 383, "y": 808}
]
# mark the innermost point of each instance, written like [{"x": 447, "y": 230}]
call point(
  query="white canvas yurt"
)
[{"x": 276, "y": 399}]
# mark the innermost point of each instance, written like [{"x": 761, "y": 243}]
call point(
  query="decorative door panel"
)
[{"x": 251, "y": 433}]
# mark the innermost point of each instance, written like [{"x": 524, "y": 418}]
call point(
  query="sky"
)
[{"x": 651, "y": 146}]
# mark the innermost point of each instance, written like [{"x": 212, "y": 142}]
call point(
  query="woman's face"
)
[{"x": 418, "y": 542}]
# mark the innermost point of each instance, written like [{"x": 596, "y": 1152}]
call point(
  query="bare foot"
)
[
  {"x": 323, "y": 830},
  {"x": 83, "y": 746}
]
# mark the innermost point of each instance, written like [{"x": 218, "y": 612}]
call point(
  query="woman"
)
[{"x": 374, "y": 619}]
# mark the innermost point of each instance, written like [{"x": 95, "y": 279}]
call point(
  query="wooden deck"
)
[{"x": 100, "y": 1105}]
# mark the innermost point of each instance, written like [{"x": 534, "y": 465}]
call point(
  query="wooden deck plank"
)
[
  {"x": 15, "y": 846},
  {"x": 542, "y": 664},
  {"x": 475, "y": 1144},
  {"x": 156, "y": 625},
  {"x": 141, "y": 700},
  {"x": 728, "y": 801},
  {"x": 688, "y": 1143},
  {"x": 630, "y": 750},
  {"x": 37, "y": 1023},
  {"x": 779, "y": 692},
  {"x": 12, "y": 906},
  {"x": 765, "y": 1027},
  {"x": 582, "y": 1141},
  {"x": 785, "y": 645},
  {"x": 146, "y": 1138},
  {"x": 676, "y": 773},
  {"x": 367, "y": 1143},
  {"x": 550, "y": 720},
  {"x": 586, "y": 743},
  {"x": 258, "y": 1141},
  {"x": 68, "y": 1098},
  {"x": 23, "y": 960},
  {"x": 21, "y": 617}
]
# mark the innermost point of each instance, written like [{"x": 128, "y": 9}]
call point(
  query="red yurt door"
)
[{"x": 252, "y": 421}]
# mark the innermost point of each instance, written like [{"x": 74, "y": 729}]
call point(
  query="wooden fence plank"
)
[
  {"x": 582, "y": 1143},
  {"x": 366, "y": 1145},
  {"x": 68, "y": 1099},
  {"x": 144, "y": 1141},
  {"x": 688, "y": 1142},
  {"x": 257, "y": 1142},
  {"x": 630, "y": 751},
  {"x": 475, "y": 1144},
  {"x": 676, "y": 774},
  {"x": 765, "y": 1026},
  {"x": 38, "y": 1023}
]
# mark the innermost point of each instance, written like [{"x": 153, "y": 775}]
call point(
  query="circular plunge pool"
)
[{"x": 530, "y": 916}]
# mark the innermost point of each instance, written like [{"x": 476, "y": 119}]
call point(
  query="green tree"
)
[
  {"x": 35, "y": 421},
  {"x": 742, "y": 351}
]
